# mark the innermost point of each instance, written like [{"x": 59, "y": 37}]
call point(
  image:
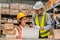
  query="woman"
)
[{"x": 21, "y": 17}]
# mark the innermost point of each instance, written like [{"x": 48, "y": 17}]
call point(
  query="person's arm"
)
[
  {"x": 33, "y": 22},
  {"x": 18, "y": 36},
  {"x": 16, "y": 31},
  {"x": 47, "y": 27},
  {"x": 56, "y": 19}
]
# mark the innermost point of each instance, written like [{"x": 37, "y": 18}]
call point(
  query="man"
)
[{"x": 41, "y": 20}]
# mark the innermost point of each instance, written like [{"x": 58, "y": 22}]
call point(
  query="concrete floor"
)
[{"x": 3, "y": 37}]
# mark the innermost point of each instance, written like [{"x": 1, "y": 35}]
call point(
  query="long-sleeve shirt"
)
[{"x": 47, "y": 27}]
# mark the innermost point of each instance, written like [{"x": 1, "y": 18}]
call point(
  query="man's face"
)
[{"x": 39, "y": 11}]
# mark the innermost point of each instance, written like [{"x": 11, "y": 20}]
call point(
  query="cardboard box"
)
[
  {"x": 3, "y": 21},
  {"x": 8, "y": 26},
  {"x": 10, "y": 37},
  {"x": 12, "y": 32},
  {"x": 5, "y": 10},
  {"x": 5, "y": 5},
  {"x": 10, "y": 21},
  {"x": 15, "y": 21},
  {"x": 14, "y": 11},
  {"x": 14, "y": 5},
  {"x": 29, "y": 19},
  {"x": 23, "y": 6}
]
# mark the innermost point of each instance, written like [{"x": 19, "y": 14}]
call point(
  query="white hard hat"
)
[{"x": 38, "y": 5}]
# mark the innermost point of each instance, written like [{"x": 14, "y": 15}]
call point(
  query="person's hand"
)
[{"x": 41, "y": 28}]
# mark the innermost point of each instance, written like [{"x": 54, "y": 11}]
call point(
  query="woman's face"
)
[
  {"x": 23, "y": 21},
  {"x": 39, "y": 11}
]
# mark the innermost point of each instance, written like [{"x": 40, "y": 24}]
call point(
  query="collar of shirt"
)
[{"x": 41, "y": 14}]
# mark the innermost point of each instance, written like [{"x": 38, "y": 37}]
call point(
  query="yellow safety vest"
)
[{"x": 41, "y": 23}]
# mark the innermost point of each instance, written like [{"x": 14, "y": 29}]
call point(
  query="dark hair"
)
[{"x": 21, "y": 20}]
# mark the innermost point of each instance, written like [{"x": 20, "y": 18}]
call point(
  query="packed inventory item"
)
[
  {"x": 15, "y": 20},
  {"x": 29, "y": 19},
  {"x": 8, "y": 26},
  {"x": 14, "y": 5},
  {"x": 14, "y": 11},
  {"x": 9, "y": 31},
  {"x": 5, "y": 10},
  {"x": 10, "y": 37},
  {"x": 23, "y": 6},
  {"x": 5, "y": 5},
  {"x": 4, "y": 20},
  {"x": 10, "y": 21}
]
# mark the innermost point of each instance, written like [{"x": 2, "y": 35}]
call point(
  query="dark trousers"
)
[{"x": 54, "y": 24}]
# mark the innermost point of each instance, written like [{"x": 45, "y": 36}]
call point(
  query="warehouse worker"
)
[
  {"x": 21, "y": 17},
  {"x": 41, "y": 20}
]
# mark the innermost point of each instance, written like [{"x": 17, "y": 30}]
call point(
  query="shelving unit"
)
[
  {"x": 51, "y": 10},
  {"x": 57, "y": 5}
]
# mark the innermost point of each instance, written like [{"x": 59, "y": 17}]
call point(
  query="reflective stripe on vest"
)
[{"x": 41, "y": 23}]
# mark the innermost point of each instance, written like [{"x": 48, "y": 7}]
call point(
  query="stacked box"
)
[
  {"x": 10, "y": 21},
  {"x": 14, "y": 8},
  {"x": 9, "y": 29},
  {"x": 5, "y": 5},
  {"x": 4, "y": 20},
  {"x": 15, "y": 21},
  {"x": 23, "y": 6},
  {"x": 5, "y": 10},
  {"x": 14, "y": 11},
  {"x": 48, "y": 5},
  {"x": 14, "y": 5},
  {"x": 8, "y": 26},
  {"x": 29, "y": 19},
  {"x": 11, "y": 37}
]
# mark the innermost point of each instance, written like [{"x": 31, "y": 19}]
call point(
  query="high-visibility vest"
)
[{"x": 41, "y": 23}]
